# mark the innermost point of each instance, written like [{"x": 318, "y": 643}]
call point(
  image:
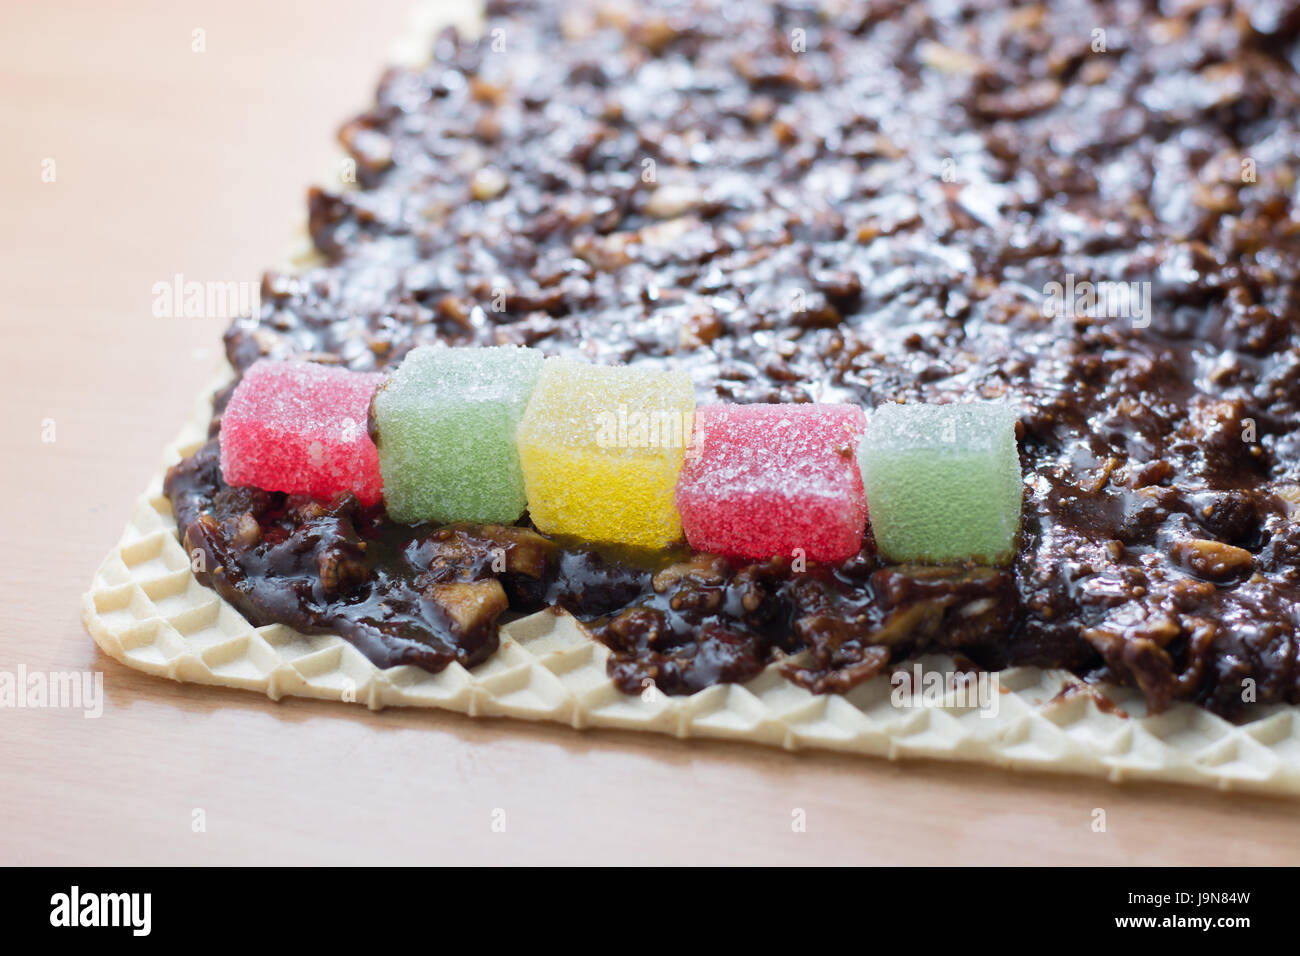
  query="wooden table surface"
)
[{"x": 168, "y": 161}]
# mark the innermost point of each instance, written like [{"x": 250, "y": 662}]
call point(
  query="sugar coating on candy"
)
[
  {"x": 601, "y": 448},
  {"x": 767, "y": 480},
  {"x": 446, "y": 423},
  {"x": 943, "y": 482},
  {"x": 300, "y": 427}
]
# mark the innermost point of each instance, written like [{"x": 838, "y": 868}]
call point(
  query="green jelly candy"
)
[
  {"x": 943, "y": 482},
  {"x": 445, "y": 424}
]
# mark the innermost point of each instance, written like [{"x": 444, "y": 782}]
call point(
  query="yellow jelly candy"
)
[{"x": 601, "y": 447}]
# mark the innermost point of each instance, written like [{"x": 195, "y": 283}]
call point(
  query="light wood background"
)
[{"x": 169, "y": 161}]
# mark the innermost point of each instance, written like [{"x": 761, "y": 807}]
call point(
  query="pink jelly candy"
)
[
  {"x": 301, "y": 427},
  {"x": 767, "y": 480}
]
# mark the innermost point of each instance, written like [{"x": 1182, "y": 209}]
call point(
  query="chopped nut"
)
[
  {"x": 672, "y": 200},
  {"x": 470, "y": 605},
  {"x": 526, "y": 551},
  {"x": 1291, "y": 495},
  {"x": 700, "y": 329},
  {"x": 488, "y": 183},
  {"x": 974, "y": 608},
  {"x": 339, "y": 572},
  {"x": 462, "y": 552},
  {"x": 787, "y": 134},
  {"x": 456, "y": 309},
  {"x": 488, "y": 128},
  {"x": 469, "y": 160},
  {"x": 704, "y": 601},
  {"x": 1212, "y": 559},
  {"x": 615, "y": 13},
  {"x": 1096, "y": 71},
  {"x": 946, "y": 59},
  {"x": 1220, "y": 198},
  {"x": 248, "y": 532},
  {"x": 654, "y": 33},
  {"x": 1168, "y": 29},
  {"x": 1025, "y": 18},
  {"x": 577, "y": 25},
  {"x": 760, "y": 109},
  {"x": 269, "y": 343},
  {"x": 752, "y": 598},
  {"x": 306, "y": 509},
  {"x": 455, "y": 555},
  {"x": 436, "y": 210},
  {"x": 1103, "y": 475},
  {"x": 372, "y": 149},
  {"x": 1150, "y": 474},
  {"x": 606, "y": 253},
  {"x": 485, "y": 92},
  {"x": 707, "y": 569},
  {"x": 667, "y": 232},
  {"x": 1021, "y": 101}
]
